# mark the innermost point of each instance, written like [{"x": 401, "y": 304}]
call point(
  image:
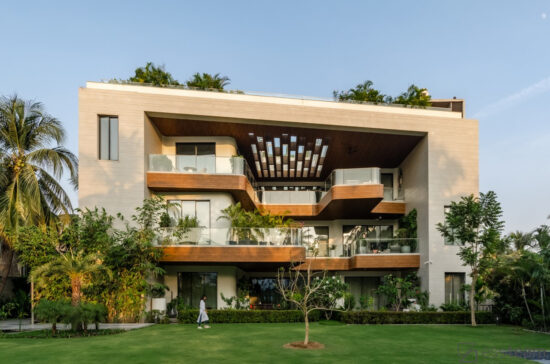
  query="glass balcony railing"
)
[
  {"x": 202, "y": 164},
  {"x": 230, "y": 236},
  {"x": 380, "y": 246},
  {"x": 353, "y": 176},
  {"x": 211, "y": 164}
]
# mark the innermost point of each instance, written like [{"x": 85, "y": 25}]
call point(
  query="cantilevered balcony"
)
[
  {"x": 203, "y": 173},
  {"x": 283, "y": 245},
  {"x": 346, "y": 193}
]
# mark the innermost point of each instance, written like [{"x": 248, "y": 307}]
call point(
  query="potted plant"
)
[
  {"x": 395, "y": 247},
  {"x": 332, "y": 250},
  {"x": 188, "y": 230},
  {"x": 407, "y": 232},
  {"x": 158, "y": 292}
]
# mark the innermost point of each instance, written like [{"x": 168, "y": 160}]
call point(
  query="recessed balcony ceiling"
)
[{"x": 290, "y": 153}]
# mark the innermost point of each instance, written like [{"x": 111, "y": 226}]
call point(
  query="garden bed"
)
[{"x": 61, "y": 334}]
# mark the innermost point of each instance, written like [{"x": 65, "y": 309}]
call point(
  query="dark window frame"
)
[
  {"x": 462, "y": 275},
  {"x": 109, "y": 144}
]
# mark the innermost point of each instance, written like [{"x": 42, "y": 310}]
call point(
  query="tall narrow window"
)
[
  {"x": 454, "y": 292},
  {"x": 108, "y": 138},
  {"x": 447, "y": 241}
]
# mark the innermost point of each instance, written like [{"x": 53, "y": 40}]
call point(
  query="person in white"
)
[{"x": 203, "y": 315}]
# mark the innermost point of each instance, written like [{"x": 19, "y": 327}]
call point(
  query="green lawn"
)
[{"x": 262, "y": 343}]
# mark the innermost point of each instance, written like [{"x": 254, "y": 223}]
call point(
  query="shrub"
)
[
  {"x": 349, "y": 301},
  {"x": 247, "y": 316},
  {"x": 452, "y": 307},
  {"x": 78, "y": 316},
  {"x": 51, "y": 312},
  {"x": 390, "y": 317}
]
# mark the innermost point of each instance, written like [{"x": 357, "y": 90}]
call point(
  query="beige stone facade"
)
[{"x": 441, "y": 168}]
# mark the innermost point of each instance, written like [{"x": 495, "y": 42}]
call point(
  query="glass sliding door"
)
[
  {"x": 387, "y": 181},
  {"x": 193, "y": 285},
  {"x": 196, "y": 157},
  {"x": 454, "y": 292}
]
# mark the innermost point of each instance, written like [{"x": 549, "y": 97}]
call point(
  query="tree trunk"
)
[
  {"x": 76, "y": 290},
  {"x": 306, "y": 319},
  {"x": 542, "y": 306},
  {"x": 525, "y": 301},
  {"x": 6, "y": 271},
  {"x": 54, "y": 329},
  {"x": 472, "y": 299}
]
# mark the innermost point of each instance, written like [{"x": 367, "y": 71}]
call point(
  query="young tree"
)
[
  {"x": 362, "y": 92},
  {"x": 155, "y": 75},
  {"x": 475, "y": 225},
  {"x": 414, "y": 96},
  {"x": 309, "y": 291},
  {"x": 77, "y": 266}
]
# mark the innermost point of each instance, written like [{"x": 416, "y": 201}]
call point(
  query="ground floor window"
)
[
  {"x": 193, "y": 285},
  {"x": 364, "y": 289},
  {"x": 454, "y": 292},
  {"x": 264, "y": 293}
]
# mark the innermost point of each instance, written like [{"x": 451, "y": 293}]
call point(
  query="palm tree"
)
[
  {"x": 30, "y": 168},
  {"x": 78, "y": 267},
  {"x": 207, "y": 81}
]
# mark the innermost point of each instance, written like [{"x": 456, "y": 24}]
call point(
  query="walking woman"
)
[{"x": 203, "y": 316}]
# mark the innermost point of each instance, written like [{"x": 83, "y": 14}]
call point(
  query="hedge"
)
[
  {"x": 349, "y": 317},
  {"x": 247, "y": 316},
  {"x": 391, "y": 317}
]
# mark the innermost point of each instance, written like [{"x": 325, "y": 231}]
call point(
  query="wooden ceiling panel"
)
[{"x": 344, "y": 149}]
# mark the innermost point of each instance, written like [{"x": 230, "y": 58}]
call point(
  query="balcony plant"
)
[
  {"x": 188, "y": 230},
  {"x": 407, "y": 232},
  {"x": 332, "y": 249},
  {"x": 249, "y": 227}
]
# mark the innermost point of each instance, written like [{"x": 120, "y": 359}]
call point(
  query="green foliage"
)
[
  {"x": 239, "y": 302},
  {"x": 450, "y": 307},
  {"x": 518, "y": 276},
  {"x": 248, "y": 225},
  {"x": 363, "y": 92},
  {"x": 414, "y": 96},
  {"x": 78, "y": 316},
  {"x": 247, "y": 316},
  {"x": 349, "y": 301},
  {"x": 366, "y": 302},
  {"x": 391, "y": 317},
  {"x": 155, "y": 75},
  {"x": 127, "y": 258},
  {"x": 206, "y": 81},
  {"x": 158, "y": 290},
  {"x": 398, "y": 290},
  {"x": 474, "y": 223},
  {"x": 408, "y": 226},
  {"x": 65, "y": 334}
]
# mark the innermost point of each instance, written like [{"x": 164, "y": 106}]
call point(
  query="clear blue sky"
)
[{"x": 494, "y": 54}]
